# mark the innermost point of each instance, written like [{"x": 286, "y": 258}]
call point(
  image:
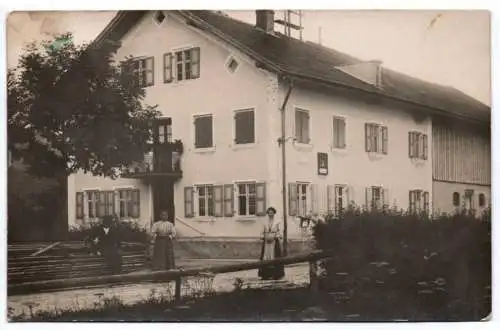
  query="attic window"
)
[
  {"x": 232, "y": 65},
  {"x": 159, "y": 17}
]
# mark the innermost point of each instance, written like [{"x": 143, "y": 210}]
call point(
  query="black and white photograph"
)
[{"x": 265, "y": 165}]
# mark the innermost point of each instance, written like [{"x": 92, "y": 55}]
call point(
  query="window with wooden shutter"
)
[
  {"x": 482, "y": 200},
  {"x": 244, "y": 126},
  {"x": 203, "y": 131},
  {"x": 314, "y": 199},
  {"x": 456, "y": 199},
  {"x": 292, "y": 199},
  {"x": 261, "y": 198},
  {"x": 92, "y": 203},
  {"x": 110, "y": 202},
  {"x": 143, "y": 70},
  {"x": 135, "y": 212},
  {"x": 218, "y": 201},
  {"x": 188, "y": 202},
  {"x": 302, "y": 126},
  {"x": 205, "y": 200},
  {"x": 167, "y": 68},
  {"x": 228, "y": 200},
  {"x": 341, "y": 199},
  {"x": 187, "y": 64},
  {"x": 339, "y": 132},
  {"x": 79, "y": 205}
]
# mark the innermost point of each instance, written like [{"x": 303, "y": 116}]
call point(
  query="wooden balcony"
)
[{"x": 163, "y": 162}]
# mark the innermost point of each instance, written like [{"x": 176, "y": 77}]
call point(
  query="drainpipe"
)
[{"x": 282, "y": 143}]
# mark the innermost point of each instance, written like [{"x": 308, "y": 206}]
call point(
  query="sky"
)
[{"x": 445, "y": 47}]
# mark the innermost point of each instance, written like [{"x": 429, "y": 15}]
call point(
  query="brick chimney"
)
[{"x": 265, "y": 20}]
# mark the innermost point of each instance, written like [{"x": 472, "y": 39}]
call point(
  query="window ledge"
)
[
  {"x": 202, "y": 220},
  {"x": 418, "y": 161},
  {"x": 204, "y": 150},
  {"x": 303, "y": 146},
  {"x": 375, "y": 155},
  {"x": 340, "y": 151},
  {"x": 247, "y": 219},
  {"x": 243, "y": 145}
]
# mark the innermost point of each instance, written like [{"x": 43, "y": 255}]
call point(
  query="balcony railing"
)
[{"x": 163, "y": 161}]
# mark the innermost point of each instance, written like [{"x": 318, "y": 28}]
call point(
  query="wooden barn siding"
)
[{"x": 461, "y": 156}]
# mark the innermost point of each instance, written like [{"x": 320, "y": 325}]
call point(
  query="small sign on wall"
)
[{"x": 322, "y": 163}]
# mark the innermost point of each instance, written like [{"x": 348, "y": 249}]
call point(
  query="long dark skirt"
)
[
  {"x": 113, "y": 260},
  {"x": 163, "y": 253},
  {"x": 272, "y": 272}
]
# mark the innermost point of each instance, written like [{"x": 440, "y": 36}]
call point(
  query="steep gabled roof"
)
[{"x": 307, "y": 60}]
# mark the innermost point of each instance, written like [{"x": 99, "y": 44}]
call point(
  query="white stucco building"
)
[{"x": 354, "y": 132}]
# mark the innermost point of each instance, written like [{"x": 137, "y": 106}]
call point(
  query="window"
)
[
  {"x": 247, "y": 199},
  {"x": 128, "y": 203},
  {"x": 456, "y": 199},
  {"x": 205, "y": 200},
  {"x": 203, "y": 132},
  {"x": 419, "y": 201},
  {"x": 244, "y": 123},
  {"x": 92, "y": 203},
  {"x": 186, "y": 66},
  {"x": 79, "y": 205},
  {"x": 417, "y": 145},
  {"x": 144, "y": 71},
  {"x": 376, "y": 198},
  {"x": 106, "y": 203},
  {"x": 339, "y": 133},
  {"x": 482, "y": 200},
  {"x": 376, "y": 138},
  {"x": 159, "y": 17},
  {"x": 302, "y": 126},
  {"x": 163, "y": 130},
  {"x": 337, "y": 198},
  {"x": 298, "y": 199}
]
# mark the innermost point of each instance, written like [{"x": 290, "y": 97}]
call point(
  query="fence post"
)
[
  {"x": 178, "y": 289},
  {"x": 313, "y": 276}
]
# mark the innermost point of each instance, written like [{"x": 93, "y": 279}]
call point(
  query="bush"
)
[
  {"x": 448, "y": 257},
  {"x": 128, "y": 232}
]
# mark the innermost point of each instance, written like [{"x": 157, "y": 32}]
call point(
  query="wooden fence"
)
[
  {"x": 162, "y": 276},
  {"x": 65, "y": 261}
]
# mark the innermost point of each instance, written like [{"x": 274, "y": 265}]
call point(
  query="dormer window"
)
[
  {"x": 181, "y": 65},
  {"x": 159, "y": 17}
]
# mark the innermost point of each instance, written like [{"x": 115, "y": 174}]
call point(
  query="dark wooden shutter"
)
[
  {"x": 79, "y": 205},
  {"x": 292, "y": 199},
  {"x": 167, "y": 68},
  {"x": 150, "y": 71},
  {"x": 228, "y": 200},
  {"x": 368, "y": 198},
  {"x": 411, "y": 199},
  {"x": 244, "y": 127},
  {"x": 426, "y": 202},
  {"x": 385, "y": 140},
  {"x": 110, "y": 202},
  {"x": 101, "y": 204},
  {"x": 331, "y": 198},
  {"x": 411, "y": 143},
  {"x": 425, "y": 146},
  {"x": 342, "y": 131},
  {"x": 218, "y": 201},
  {"x": 306, "y": 124},
  {"x": 136, "y": 203},
  {"x": 195, "y": 63},
  {"x": 368, "y": 140},
  {"x": 188, "y": 202},
  {"x": 203, "y": 132},
  {"x": 260, "y": 189}
]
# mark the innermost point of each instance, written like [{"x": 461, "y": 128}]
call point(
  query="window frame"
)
[
  {"x": 129, "y": 203},
  {"x": 175, "y": 63},
  {"x": 202, "y": 149},
  {"x": 207, "y": 201},
  {"x": 418, "y": 145},
  {"x": 95, "y": 201},
  {"x": 374, "y": 132},
  {"x": 247, "y": 195},
  {"x": 235, "y": 113},
  {"x": 298, "y": 109},
  {"x": 455, "y": 201},
  {"x": 143, "y": 69},
  {"x": 335, "y": 143},
  {"x": 420, "y": 201}
]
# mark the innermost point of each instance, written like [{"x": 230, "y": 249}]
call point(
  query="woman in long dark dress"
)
[
  {"x": 271, "y": 247},
  {"x": 109, "y": 243},
  {"x": 163, "y": 250}
]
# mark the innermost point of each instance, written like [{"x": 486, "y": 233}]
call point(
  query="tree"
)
[{"x": 72, "y": 107}]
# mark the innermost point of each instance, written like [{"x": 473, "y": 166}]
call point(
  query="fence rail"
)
[{"x": 160, "y": 276}]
